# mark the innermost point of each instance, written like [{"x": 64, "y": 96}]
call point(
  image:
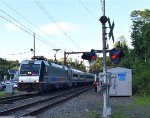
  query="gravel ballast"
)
[{"x": 90, "y": 105}]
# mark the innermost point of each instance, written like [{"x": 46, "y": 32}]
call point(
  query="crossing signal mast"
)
[{"x": 115, "y": 57}]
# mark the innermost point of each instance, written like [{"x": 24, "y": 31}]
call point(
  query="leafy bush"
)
[{"x": 141, "y": 79}]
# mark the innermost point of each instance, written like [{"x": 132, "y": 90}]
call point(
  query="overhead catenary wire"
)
[
  {"x": 30, "y": 22},
  {"x": 15, "y": 24},
  {"x": 30, "y": 33},
  {"x": 88, "y": 10},
  {"x": 53, "y": 20},
  {"x": 15, "y": 20},
  {"x": 27, "y": 30}
]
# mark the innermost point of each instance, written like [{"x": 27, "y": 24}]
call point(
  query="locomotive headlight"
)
[
  {"x": 36, "y": 81},
  {"x": 29, "y": 73},
  {"x": 20, "y": 81}
]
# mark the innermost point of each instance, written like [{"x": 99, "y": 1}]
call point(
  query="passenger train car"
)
[{"x": 38, "y": 74}]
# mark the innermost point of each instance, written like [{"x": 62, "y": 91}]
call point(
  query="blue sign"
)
[{"x": 122, "y": 76}]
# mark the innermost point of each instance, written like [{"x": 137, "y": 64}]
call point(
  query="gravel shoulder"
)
[{"x": 90, "y": 105}]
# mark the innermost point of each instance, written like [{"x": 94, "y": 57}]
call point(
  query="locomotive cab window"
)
[{"x": 30, "y": 69}]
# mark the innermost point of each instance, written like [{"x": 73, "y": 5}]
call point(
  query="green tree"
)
[
  {"x": 97, "y": 67},
  {"x": 6, "y": 65},
  {"x": 74, "y": 64},
  {"x": 140, "y": 34},
  {"x": 140, "y": 37},
  {"x": 121, "y": 44},
  {"x": 127, "y": 60}
]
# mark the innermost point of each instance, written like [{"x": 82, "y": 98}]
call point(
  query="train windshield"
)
[{"x": 30, "y": 69}]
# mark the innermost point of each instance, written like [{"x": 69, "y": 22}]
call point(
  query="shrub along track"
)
[{"x": 36, "y": 107}]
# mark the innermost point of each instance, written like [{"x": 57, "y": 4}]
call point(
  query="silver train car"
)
[{"x": 38, "y": 74}]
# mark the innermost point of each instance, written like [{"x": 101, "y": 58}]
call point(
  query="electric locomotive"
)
[{"x": 38, "y": 74}]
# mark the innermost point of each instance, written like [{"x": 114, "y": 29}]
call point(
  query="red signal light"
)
[
  {"x": 89, "y": 55},
  {"x": 116, "y": 55},
  {"x": 93, "y": 57}
]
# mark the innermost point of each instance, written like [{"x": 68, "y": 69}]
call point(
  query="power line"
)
[
  {"x": 19, "y": 53},
  {"x": 52, "y": 19},
  {"x": 88, "y": 9},
  {"x": 41, "y": 39},
  {"x": 15, "y": 25},
  {"x": 27, "y": 30},
  {"x": 44, "y": 41},
  {"x": 15, "y": 20},
  {"x": 29, "y": 21}
]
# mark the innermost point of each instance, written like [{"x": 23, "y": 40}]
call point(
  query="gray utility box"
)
[
  {"x": 9, "y": 88},
  {"x": 121, "y": 82}
]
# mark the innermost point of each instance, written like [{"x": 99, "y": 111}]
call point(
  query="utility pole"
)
[
  {"x": 106, "y": 108},
  {"x": 34, "y": 45}
]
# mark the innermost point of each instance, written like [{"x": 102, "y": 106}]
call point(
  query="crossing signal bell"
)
[{"x": 116, "y": 55}]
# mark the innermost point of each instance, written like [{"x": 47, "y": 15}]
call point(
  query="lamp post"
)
[{"x": 56, "y": 50}]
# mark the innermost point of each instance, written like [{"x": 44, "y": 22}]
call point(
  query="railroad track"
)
[
  {"x": 14, "y": 98},
  {"x": 11, "y": 99},
  {"x": 36, "y": 107}
]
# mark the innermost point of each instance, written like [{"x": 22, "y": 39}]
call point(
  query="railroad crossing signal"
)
[
  {"x": 116, "y": 55},
  {"x": 89, "y": 55},
  {"x": 111, "y": 29}
]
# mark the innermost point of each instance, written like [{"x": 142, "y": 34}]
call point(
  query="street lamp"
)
[{"x": 56, "y": 50}]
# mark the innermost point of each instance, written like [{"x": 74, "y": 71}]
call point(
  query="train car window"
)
[
  {"x": 81, "y": 76},
  {"x": 75, "y": 75},
  {"x": 89, "y": 76}
]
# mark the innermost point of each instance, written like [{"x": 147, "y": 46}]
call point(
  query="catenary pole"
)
[{"x": 56, "y": 50}]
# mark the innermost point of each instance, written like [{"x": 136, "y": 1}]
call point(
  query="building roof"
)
[{"x": 12, "y": 71}]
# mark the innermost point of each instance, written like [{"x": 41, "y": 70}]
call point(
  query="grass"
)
[
  {"x": 142, "y": 101},
  {"x": 3, "y": 93},
  {"x": 93, "y": 115},
  {"x": 138, "y": 101},
  {"x": 119, "y": 115}
]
